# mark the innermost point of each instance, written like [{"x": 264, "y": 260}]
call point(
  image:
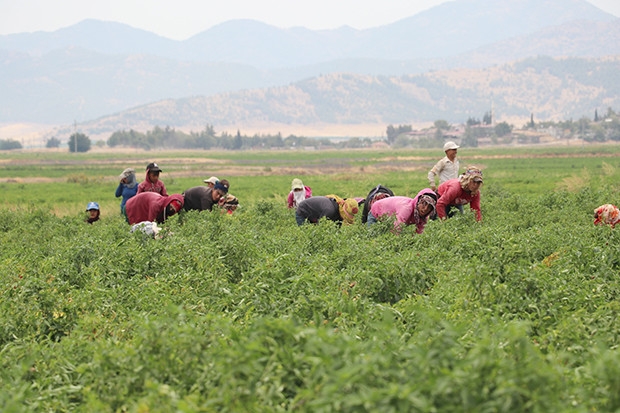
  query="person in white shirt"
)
[{"x": 447, "y": 168}]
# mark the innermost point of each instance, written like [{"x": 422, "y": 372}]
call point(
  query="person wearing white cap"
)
[
  {"x": 211, "y": 181},
  {"x": 299, "y": 192},
  {"x": 447, "y": 168}
]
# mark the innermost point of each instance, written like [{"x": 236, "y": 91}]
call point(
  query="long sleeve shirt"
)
[
  {"x": 402, "y": 209},
  {"x": 445, "y": 169},
  {"x": 199, "y": 198},
  {"x": 317, "y": 207},
  {"x": 451, "y": 194}
]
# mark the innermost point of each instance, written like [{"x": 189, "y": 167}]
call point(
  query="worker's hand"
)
[{"x": 434, "y": 188}]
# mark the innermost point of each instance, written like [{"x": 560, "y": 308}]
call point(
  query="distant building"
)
[{"x": 380, "y": 145}]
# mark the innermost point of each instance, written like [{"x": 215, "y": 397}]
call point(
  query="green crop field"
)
[{"x": 251, "y": 313}]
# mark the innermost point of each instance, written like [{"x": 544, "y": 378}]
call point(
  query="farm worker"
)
[
  {"x": 460, "y": 191},
  {"x": 127, "y": 187},
  {"x": 405, "y": 211},
  {"x": 229, "y": 203},
  {"x": 211, "y": 181},
  {"x": 223, "y": 182},
  {"x": 298, "y": 193},
  {"x": 375, "y": 194},
  {"x": 202, "y": 198},
  {"x": 93, "y": 212},
  {"x": 447, "y": 168},
  {"x": 331, "y": 207},
  {"x": 607, "y": 214},
  {"x": 150, "y": 206},
  {"x": 152, "y": 183}
]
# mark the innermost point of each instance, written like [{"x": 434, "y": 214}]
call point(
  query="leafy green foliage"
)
[
  {"x": 249, "y": 312},
  {"x": 9, "y": 144},
  {"x": 79, "y": 142},
  {"x": 52, "y": 142}
]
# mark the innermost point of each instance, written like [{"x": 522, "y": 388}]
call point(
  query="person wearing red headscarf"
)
[{"x": 151, "y": 206}]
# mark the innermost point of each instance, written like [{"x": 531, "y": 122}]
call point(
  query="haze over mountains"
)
[{"x": 100, "y": 70}]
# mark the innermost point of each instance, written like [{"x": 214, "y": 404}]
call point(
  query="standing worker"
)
[
  {"x": 152, "y": 183},
  {"x": 127, "y": 187},
  {"x": 447, "y": 168}
]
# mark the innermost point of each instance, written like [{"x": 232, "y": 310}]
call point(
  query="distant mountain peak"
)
[{"x": 97, "y": 67}]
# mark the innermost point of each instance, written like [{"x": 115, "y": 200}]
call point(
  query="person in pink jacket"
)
[
  {"x": 404, "y": 210},
  {"x": 299, "y": 192},
  {"x": 460, "y": 191}
]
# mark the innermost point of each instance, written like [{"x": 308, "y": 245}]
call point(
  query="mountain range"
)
[{"x": 99, "y": 70}]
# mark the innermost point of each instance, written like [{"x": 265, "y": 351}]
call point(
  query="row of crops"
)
[{"x": 251, "y": 313}]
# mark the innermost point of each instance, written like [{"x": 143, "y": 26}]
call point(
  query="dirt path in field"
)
[
  {"x": 191, "y": 167},
  {"x": 232, "y": 171}
]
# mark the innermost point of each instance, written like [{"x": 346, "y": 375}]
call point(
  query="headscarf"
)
[
  {"x": 298, "y": 196},
  {"x": 347, "y": 208},
  {"x": 607, "y": 214},
  {"x": 230, "y": 203},
  {"x": 130, "y": 175},
  {"x": 230, "y": 200},
  {"x": 472, "y": 173},
  {"x": 427, "y": 199}
]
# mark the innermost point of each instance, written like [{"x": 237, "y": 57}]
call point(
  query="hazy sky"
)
[{"x": 180, "y": 19}]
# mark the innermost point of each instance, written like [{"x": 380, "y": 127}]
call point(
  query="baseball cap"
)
[
  {"x": 213, "y": 180},
  {"x": 450, "y": 145},
  {"x": 92, "y": 205},
  {"x": 153, "y": 167}
]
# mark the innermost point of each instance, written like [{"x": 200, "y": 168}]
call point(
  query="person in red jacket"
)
[
  {"x": 150, "y": 206},
  {"x": 460, "y": 191},
  {"x": 151, "y": 182}
]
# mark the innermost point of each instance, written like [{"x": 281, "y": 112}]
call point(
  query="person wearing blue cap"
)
[{"x": 93, "y": 212}]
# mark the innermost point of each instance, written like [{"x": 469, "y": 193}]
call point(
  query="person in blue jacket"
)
[{"x": 127, "y": 188}]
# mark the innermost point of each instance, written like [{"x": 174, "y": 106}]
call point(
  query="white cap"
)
[
  {"x": 450, "y": 145},
  {"x": 213, "y": 180}
]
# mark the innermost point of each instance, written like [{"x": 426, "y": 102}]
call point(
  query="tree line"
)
[{"x": 601, "y": 128}]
